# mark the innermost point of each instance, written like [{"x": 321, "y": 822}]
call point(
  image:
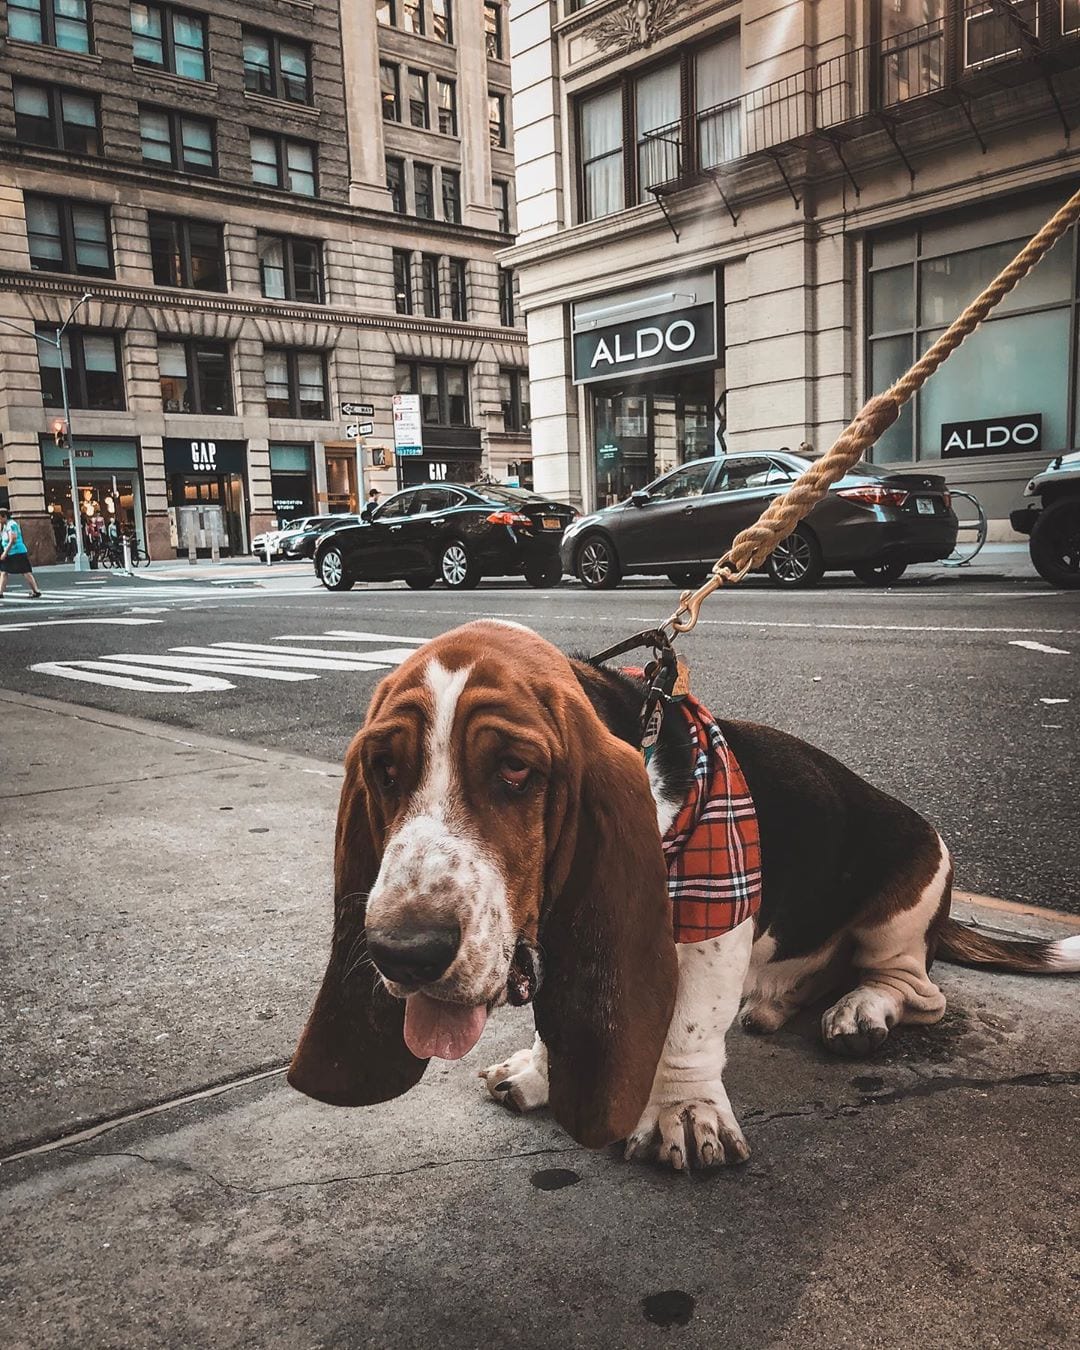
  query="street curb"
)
[{"x": 174, "y": 735}]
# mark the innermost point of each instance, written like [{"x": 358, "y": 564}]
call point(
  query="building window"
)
[
  {"x": 506, "y": 297},
  {"x": 277, "y": 67},
  {"x": 424, "y": 190},
  {"x": 67, "y": 236},
  {"x": 1017, "y": 363},
  {"x": 459, "y": 299},
  {"x": 279, "y": 161},
  {"x": 493, "y": 38},
  {"x": 53, "y": 23},
  {"x": 451, "y": 195},
  {"x": 429, "y": 284},
  {"x": 385, "y": 13},
  {"x": 403, "y": 301},
  {"x": 59, "y": 119},
  {"x": 410, "y": 15},
  {"x": 443, "y": 390},
  {"x": 442, "y": 19},
  {"x": 419, "y": 115},
  {"x": 188, "y": 253},
  {"x": 514, "y": 396},
  {"x": 195, "y": 377},
  {"x": 290, "y": 269},
  {"x": 659, "y": 127},
  {"x": 502, "y": 205},
  {"x": 447, "y": 91},
  {"x": 178, "y": 140},
  {"x": 295, "y": 384},
  {"x": 390, "y": 85},
  {"x": 92, "y": 368},
  {"x": 497, "y": 119},
  {"x": 172, "y": 39},
  {"x": 395, "y": 184}
]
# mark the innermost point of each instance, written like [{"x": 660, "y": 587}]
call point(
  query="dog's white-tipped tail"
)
[{"x": 1034, "y": 956}]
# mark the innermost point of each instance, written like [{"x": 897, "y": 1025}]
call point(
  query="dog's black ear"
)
[
  {"x": 352, "y": 1051},
  {"x": 606, "y": 935}
]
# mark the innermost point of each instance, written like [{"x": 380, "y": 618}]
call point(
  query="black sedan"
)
[
  {"x": 451, "y": 533},
  {"x": 300, "y": 542},
  {"x": 873, "y": 522}
]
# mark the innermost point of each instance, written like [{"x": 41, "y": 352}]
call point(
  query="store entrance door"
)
[{"x": 208, "y": 509}]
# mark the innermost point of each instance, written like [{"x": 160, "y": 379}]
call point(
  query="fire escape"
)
[{"x": 972, "y": 52}]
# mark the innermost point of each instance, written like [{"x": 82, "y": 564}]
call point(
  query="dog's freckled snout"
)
[{"x": 414, "y": 956}]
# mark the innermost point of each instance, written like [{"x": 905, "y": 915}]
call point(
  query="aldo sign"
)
[
  {"x": 678, "y": 338},
  {"x": 992, "y": 436}
]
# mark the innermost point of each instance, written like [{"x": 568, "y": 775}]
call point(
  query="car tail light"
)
[
  {"x": 508, "y": 518},
  {"x": 948, "y": 500},
  {"x": 873, "y": 495}
]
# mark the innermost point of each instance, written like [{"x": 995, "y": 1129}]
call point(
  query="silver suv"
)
[{"x": 1053, "y": 521}]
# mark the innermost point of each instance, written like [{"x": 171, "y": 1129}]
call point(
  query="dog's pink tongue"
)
[{"x": 435, "y": 1030}]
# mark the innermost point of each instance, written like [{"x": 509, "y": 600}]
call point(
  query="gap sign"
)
[
  {"x": 679, "y": 337},
  {"x": 992, "y": 436}
]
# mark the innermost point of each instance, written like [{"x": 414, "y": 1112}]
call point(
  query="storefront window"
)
[
  {"x": 1016, "y": 364},
  {"x": 643, "y": 432}
]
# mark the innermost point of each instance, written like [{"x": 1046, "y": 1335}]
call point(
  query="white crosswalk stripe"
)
[{"x": 203, "y": 669}]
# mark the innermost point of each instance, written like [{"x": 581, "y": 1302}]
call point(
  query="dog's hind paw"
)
[{"x": 687, "y": 1135}]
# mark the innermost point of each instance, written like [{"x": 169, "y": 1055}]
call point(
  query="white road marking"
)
[
  {"x": 65, "y": 623},
  {"x": 1039, "y": 647},
  {"x": 348, "y": 635},
  {"x": 122, "y": 677},
  {"x": 1053, "y": 700},
  {"x": 288, "y": 658},
  {"x": 216, "y": 665}
]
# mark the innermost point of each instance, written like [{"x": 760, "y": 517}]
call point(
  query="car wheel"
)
[
  {"x": 880, "y": 573},
  {"x": 546, "y": 573},
  {"x": 796, "y": 561},
  {"x": 598, "y": 564},
  {"x": 688, "y": 577},
  {"x": 422, "y": 583},
  {"x": 1055, "y": 543},
  {"x": 332, "y": 571},
  {"x": 460, "y": 572}
]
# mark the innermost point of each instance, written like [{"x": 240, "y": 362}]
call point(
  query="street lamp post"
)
[{"x": 82, "y": 562}]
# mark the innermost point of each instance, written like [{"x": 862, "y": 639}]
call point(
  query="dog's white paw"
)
[
  {"x": 520, "y": 1082},
  {"x": 688, "y": 1134},
  {"x": 860, "y": 1021}
]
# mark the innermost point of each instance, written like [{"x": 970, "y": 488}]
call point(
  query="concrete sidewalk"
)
[{"x": 167, "y": 905}]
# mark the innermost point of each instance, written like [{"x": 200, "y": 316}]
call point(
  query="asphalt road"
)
[{"x": 921, "y": 688}]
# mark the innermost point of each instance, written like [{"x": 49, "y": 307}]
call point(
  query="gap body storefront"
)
[
  {"x": 649, "y": 361},
  {"x": 207, "y": 494},
  {"x": 110, "y": 485}
]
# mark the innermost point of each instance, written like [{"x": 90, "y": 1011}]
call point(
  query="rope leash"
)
[{"x": 752, "y": 546}]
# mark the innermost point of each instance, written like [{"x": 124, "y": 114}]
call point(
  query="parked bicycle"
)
[{"x": 110, "y": 553}]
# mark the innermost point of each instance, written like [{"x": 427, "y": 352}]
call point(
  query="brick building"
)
[
  {"x": 738, "y": 220},
  {"x": 275, "y": 207}
]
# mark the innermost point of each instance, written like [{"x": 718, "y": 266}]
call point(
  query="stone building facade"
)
[
  {"x": 737, "y": 220},
  {"x": 275, "y": 208}
]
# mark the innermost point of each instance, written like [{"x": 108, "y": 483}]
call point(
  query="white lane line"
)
[
  {"x": 291, "y": 658},
  {"x": 349, "y": 635},
  {"x": 219, "y": 665},
  {"x": 1039, "y": 647},
  {"x": 121, "y": 675},
  {"x": 876, "y": 627},
  {"x": 66, "y": 623},
  {"x": 1054, "y": 700}
]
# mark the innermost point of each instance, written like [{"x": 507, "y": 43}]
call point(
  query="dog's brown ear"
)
[
  {"x": 352, "y": 1051},
  {"x": 606, "y": 937}
]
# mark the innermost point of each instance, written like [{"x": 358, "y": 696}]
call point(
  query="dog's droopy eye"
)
[
  {"x": 385, "y": 774},
  {"x": 515, "y": 773}
]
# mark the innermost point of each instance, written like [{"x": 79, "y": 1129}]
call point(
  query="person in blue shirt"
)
[{"x": 14, "y": 556}]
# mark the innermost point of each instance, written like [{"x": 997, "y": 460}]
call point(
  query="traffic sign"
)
[
  {"x": 355, "y": 429},
  {"x": 358, "y": 410},
  {"x": 409, "y": 450}
]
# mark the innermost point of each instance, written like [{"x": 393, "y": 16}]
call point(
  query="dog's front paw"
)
[
  {"x": 519, "y": 1082},
  {"x": 688, "y": 1134}
]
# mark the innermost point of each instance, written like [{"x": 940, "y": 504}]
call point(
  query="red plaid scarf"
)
[{"x": 713, "y": 848}]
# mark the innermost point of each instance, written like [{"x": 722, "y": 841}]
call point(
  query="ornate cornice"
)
[
  {"x": 633, "y": 26},
  {"x": 268, "y": 312}
]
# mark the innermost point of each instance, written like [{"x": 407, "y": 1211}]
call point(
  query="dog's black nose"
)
[{"x": 413, "y": 956}]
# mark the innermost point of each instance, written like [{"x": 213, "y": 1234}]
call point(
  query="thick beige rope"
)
[{"x": 752, "y": 546}]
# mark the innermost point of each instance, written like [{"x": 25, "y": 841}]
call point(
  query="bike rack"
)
[{"x": 959, "y": 558}]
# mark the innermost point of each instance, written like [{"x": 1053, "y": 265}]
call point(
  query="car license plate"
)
[
  {"x": 924, "y": 506},
  {"x": 551, "y": 523}
]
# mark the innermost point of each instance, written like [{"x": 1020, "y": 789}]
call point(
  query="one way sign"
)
[
  {"x": 355, "y": 429},
  {"x": 358, "y": 410}
]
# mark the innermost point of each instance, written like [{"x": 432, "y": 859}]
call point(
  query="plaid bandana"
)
[{"x": 713, "y": 848}]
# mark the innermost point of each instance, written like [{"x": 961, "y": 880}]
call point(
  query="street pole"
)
[
  {"x": 360, "y": 476},
  {"x": 82, "y": 562}
]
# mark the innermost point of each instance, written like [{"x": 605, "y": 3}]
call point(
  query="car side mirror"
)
[
  {"x": 367, "y": 513},
  {"x": 640, "y": 498}
]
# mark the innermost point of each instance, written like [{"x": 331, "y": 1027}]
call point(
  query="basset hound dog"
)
[{"x": 499, "y": 839}]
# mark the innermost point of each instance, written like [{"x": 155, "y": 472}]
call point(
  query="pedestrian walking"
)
[{"x": 14, "y": 555}]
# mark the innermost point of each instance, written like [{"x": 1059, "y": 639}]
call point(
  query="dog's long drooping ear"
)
[
  {"x": 606, "y": 937},
  {"x": 352, "y": 1051}
]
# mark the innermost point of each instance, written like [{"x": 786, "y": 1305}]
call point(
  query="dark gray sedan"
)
[{"x": 873, "y": 522}]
